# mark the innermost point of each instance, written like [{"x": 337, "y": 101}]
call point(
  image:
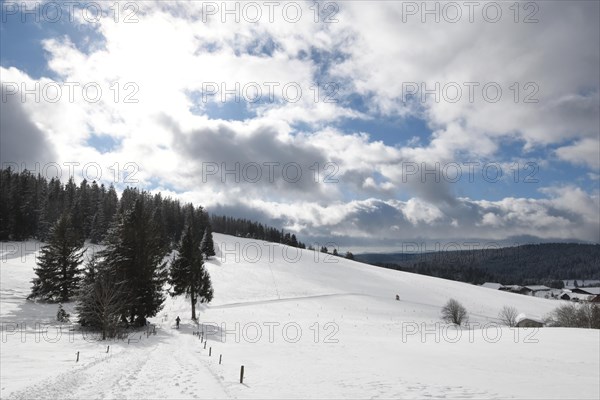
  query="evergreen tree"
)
[
  {"x": 58, "y": 266},
  {"x": 294, "y": 241},
  {"x": 43, "y": 222},
  {"x": 207, "y": 245},
  {"x": 98, "y": 227},
  {"x": 188, "y": 275},
  {"x": 111, "y": 204},
  {"x": 349, "y": 255},
  {"x": 100, "y": 301},
  {"x": 133, "y": 255}
]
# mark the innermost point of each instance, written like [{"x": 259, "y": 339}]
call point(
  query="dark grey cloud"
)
[
  {"x": 278, "y": 170},
  {"x": 21, "y": 141}
]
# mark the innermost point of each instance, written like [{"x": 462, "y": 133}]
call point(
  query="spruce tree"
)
[
  {"x": 134, "y": 256},
  {"x": 100, "y": 301},
  {"x": 58, "y": 266},
  {"x": 207, "y": 245},
  {"x": 294, "y": 241},
  {"x": 188, "y": 275},
  {"x": 98, "y": 227}
]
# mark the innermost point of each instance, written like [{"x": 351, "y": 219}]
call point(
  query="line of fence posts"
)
[{"x": 200, "y": 335}]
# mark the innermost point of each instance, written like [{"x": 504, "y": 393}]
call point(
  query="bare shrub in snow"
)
[
  {"x": 575, "y": 316},
  {"x": 508, "y": 316},
  {"x": 454, "y": 313}
]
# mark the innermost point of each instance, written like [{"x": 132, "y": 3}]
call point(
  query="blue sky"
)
[{"x": 373, "y": 132}]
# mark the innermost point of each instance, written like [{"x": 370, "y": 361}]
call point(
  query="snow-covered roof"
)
[
  {"x": 581, "y": 296},
  {"x": 514, "y": 287},
  {"x": 591, "y": 290},
  {"x": 492, "y": 285},
  {"x": 535, "y": 288},
  {"x": 523, "y": 316}
]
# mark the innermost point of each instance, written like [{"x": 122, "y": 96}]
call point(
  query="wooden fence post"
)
[
  {"x": 242, "y": 374},
  {"x": 107, "y": 348},
  {"x": 220, "y": 358},
  {"x": 77, "y": 357},
  {"x": 210, "y": 351}
]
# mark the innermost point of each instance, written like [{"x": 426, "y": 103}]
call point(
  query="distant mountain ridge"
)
[{"x": 525, "y": 264}]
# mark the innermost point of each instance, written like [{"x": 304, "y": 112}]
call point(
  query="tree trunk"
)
[
  {"x": 193, "y": 307},
  {"x": 64, "y": 288}
]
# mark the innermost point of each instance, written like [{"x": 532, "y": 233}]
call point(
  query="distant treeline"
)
[
  {"x": 254, "y": 230},
  {"x": 31, "y": 204},
  {"x": 547, "y": 263}
]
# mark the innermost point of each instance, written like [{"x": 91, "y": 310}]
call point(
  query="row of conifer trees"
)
[{"x": 127, "y": 279}]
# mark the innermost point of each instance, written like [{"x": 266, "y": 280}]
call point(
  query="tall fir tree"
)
[
  {"x": 188, "y": 275},
  {"x": 207, "y": 245},
  {"x": 133, "y": 255},
  {"x": 58, "y": 266},
  {"x": 110, "y": 204},
  {"x": 100, "y": 302},
  {"x": 98, "y": 226}
]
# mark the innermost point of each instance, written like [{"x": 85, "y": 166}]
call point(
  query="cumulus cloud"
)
[
  {"x": 351, "y": 186},
  {"x": 583, "y": 152},
  {"x": 22, "y": 143}
]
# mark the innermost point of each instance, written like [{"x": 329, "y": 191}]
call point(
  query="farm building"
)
[
  {"x": 534, "y": 290},
  {"x": 493, "y": 285},
  {"x": 595, "y": 291},
  {"x": 578, "y": 296},
  {"x": 514, "y": 289},
  {"x": 525, "y": 321}
]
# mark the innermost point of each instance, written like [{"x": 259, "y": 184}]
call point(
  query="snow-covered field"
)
[{"x": 304, "y": 325}]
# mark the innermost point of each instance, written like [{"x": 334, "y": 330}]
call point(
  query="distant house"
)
[
  {"x": 492, "y": 285},
  {"x": 514, "y": 289},
  {"x": 576, "y": 296},
  {"x": 526, "y": 321},
  {"x": 554, "y": 293},
  {"x": 565, "y": 296},
  {"x": 587, "y": 290},
  {"x": 533, "y": 290}
]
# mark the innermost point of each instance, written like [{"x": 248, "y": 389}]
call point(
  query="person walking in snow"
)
[{"x": 177, "y": 321}]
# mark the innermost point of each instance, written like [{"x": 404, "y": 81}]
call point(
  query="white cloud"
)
[
  {"x": 583, "y": 152},
  {"x": 169, "y": 54}
]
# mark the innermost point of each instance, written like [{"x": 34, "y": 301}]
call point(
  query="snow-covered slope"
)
[{"x": 304, "y": 325}]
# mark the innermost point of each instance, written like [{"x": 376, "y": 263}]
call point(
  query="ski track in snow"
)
[
  {"x": 259, "y": 302},
  {"x": 166, "y": 369},
  {"x": 318, "y": 296}
]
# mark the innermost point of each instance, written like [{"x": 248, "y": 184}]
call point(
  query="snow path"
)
[
  {"x": 259, "y": 302},
  {"x": 166, "y": 368}
]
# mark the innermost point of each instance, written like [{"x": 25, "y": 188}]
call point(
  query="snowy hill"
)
[{"x": 304, "y": 325}]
